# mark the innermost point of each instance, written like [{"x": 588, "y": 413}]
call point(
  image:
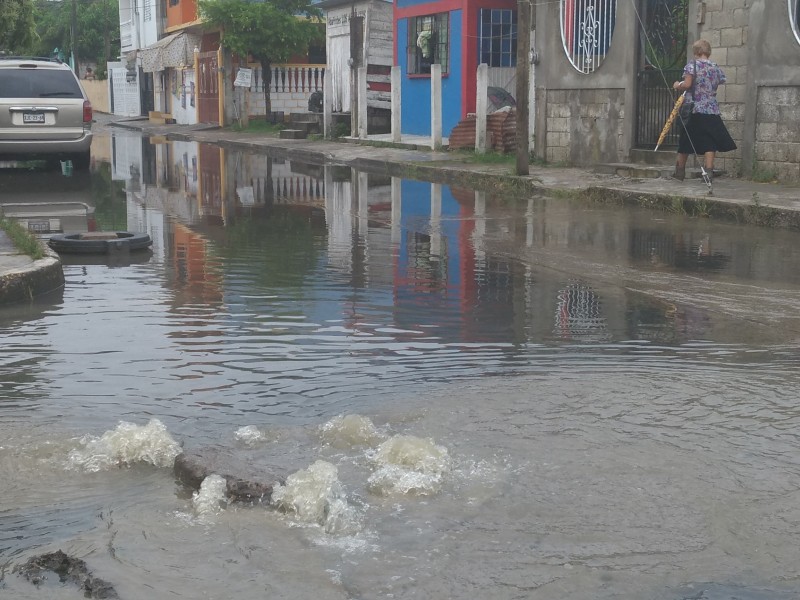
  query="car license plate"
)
[
  {"x": 39, "y": 226},
  {"x": 33, "y": 117}
]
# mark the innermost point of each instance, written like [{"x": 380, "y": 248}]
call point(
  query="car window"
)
[{"x": 38, "y": 83}]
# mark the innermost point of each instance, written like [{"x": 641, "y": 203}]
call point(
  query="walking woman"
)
[{"x": 705, "y": 133}]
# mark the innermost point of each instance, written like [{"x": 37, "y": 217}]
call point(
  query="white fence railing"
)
[{"x": 290, "y": 88}]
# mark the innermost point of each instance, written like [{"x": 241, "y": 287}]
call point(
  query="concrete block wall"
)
[
  {"x": 583, "y": 126},
  {"x": 727, "y": 28},
  {"x": 777, "y": 145}
]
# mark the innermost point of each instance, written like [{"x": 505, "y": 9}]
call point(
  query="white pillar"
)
[
  {"x": 327, "y": 104},
  {"x": 480, "y": 108},
  {"x": 436, "y": 107},
  {"x": 362, "y": 103},
  {"x": 396, "y": 105}
]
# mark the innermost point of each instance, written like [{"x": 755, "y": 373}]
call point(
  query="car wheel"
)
[{"x": 80, "y": 162}]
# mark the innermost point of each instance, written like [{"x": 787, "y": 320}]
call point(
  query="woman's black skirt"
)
[{"x": 705, "y": 133}]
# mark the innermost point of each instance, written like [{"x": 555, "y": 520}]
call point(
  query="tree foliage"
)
[
  {"x": 272, "y": 31},
  {"x": 97, "y": 29},
  {"x": 17, "y": 26}
]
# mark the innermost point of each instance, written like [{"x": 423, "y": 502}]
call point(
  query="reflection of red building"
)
[
  {"x": 197, "y": 274},
  {"x": 211, "y": 206}
]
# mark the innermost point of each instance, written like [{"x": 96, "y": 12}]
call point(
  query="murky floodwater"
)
[{"x": 466, "y": 396}]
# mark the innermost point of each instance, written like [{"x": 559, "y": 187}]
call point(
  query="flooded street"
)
[{"x": 463, "y": 395}]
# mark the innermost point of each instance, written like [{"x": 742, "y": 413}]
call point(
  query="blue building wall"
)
[{"x": 416, "y": 92}]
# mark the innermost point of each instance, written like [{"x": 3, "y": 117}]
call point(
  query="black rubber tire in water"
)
[{"x": 71, "y": 243}]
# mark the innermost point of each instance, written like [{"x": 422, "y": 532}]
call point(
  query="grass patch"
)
[
  {"x": 762, "y": 175},
  {"x": 23, "y": 239}
]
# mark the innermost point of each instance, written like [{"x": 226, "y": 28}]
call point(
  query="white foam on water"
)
[
  {"x": 407, "y": 464},
  {"x": 126, "y": 445},
  {"x": 250, "y": 435},
  {"x": 210, "y": 499},
  {"x": 348, "y": 431},
  {"x": 316, "y": 496}
]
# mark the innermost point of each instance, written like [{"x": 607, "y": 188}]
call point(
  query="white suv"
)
[{"x": 44, "y": 112}]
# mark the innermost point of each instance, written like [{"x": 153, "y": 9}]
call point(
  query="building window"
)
[
  {"x": 428, "y": 43},
  {"x": 174, "y": 2},
  {"x": 587, "y": 27},
  {"x": 794, "y": 17},
  {"x": 497, "y": 37}
]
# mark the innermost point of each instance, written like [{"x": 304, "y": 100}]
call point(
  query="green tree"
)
[
  {"x": 97, "y": 29},
  {"x": 17, "y": 26},
  {"x": 271, "y": 30}
]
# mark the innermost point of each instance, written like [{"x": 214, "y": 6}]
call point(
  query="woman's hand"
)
[{"x": 677, "y": 85}]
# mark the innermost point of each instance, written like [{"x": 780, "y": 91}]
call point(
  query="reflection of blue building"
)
[{"x": 432, "y": 267}]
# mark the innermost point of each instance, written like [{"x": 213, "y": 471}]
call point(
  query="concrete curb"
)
[{"x": 40, "y": 277}]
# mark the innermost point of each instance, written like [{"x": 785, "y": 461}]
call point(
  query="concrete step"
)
[
  {"x": 293, "y": 134},
  {"x": 307, "y": 126}
]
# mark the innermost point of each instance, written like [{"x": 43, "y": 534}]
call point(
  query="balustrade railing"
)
[{"x": 303, "y": 79}]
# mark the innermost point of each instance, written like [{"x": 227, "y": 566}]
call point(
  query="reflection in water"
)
[{"x": 484, "y": 397}]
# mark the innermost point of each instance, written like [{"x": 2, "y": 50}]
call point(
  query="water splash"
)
[
  {"x": 350, "y": 431},
  {"x": 126, "y": 445},
  {"x": 210, "y": 499},
  {"x": 250, "y": 435},
  {"x": 315, "y": 495},
  {"x": 407, "y": 464}
]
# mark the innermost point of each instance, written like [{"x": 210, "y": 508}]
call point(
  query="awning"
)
[{"x": 176, "y": 50}]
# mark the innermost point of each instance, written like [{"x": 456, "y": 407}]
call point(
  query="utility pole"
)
[{"x": 523, "y": 82}]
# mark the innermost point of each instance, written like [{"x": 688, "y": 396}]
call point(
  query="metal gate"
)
[
  {"x": 663, "y": 36},
  {"x": 208, "y": 88}
]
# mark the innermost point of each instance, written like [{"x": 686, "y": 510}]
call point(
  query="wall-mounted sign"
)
[{"x": 243, "y": 78}]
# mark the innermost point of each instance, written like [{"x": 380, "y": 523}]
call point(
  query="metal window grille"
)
[
  {"x": 497, "y": 37},
  {"x": 794, "y": 17},
  {"x": 428, "y": 43},
  {"x": 587, "y": 27}
]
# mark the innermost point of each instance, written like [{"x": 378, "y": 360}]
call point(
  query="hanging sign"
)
[{"x": 243, "y": 78}]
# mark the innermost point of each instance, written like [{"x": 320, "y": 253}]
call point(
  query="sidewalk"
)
[
  {"x": 22, "y": 278},
  {"x": 772, "y": 205}
]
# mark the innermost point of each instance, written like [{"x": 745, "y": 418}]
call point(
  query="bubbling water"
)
[
  {"x": 407, "y": 464},
  {"x": 210, "y": 499},
  {"x": 316, "y": 496},
  {"x": 250, "y": 435},
  {"x": 128, "y": 444},
  {"x": 347, "y": 431}
]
